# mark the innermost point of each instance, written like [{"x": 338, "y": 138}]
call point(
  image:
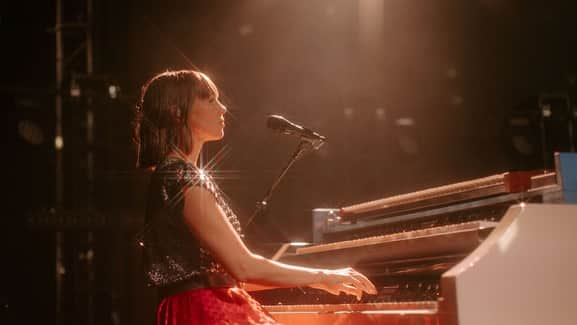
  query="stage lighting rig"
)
[{"x": 95, "y": 87}]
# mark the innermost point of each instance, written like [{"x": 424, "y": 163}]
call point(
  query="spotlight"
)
[
  {"x": 349, "y": 112},
  {"x": 74, "y": 89},
  {"x": 381, "y": 113},
  {"x": 405, "y": 121},
  {"x": 113, "y": 91},
  {"x": 546, "y": 110},
  {"x": 58, "y": 143},
  {"x": 30, "y": 132}
]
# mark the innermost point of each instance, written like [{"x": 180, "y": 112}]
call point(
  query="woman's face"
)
[{"x": 206, "y": 118}]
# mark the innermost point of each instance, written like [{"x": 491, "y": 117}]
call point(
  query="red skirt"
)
[{"x": 212, "y": 306}]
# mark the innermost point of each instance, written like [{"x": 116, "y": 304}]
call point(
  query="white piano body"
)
[{"x": 525, "y": 272}]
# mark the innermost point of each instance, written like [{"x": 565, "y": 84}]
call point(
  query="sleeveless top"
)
[{"x": 172, "y": 253}]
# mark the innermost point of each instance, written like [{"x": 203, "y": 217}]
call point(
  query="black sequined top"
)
[{"x": 172, "y": 253}]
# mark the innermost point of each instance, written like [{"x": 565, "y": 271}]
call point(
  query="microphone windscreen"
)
[{"x": 276, "y": 122}]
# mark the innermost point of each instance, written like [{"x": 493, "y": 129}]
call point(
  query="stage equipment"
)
[{"x": 538, "y": 127}]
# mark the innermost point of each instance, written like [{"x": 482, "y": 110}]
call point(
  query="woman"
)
[{"x": 193, "y": 241}]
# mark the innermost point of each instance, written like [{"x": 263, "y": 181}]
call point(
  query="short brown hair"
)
[{"x": 161, "y": 113}]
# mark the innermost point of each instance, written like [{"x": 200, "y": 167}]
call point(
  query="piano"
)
[{"x": 494, "y": 250}]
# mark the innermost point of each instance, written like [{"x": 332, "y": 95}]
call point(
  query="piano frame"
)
[{"x": 531, "y": 221}]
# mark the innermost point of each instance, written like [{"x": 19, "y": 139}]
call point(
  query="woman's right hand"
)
[{"x": 346, "y": 280}]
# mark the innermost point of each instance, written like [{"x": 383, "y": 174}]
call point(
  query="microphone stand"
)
[{"x": 302, "y": 146}]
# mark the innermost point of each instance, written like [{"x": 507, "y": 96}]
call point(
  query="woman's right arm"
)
[{"x": 209, "y": 224}]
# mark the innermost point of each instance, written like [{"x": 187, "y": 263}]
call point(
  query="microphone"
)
[{"x": 281, "y": 124}]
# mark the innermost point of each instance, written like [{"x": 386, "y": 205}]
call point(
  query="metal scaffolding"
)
[{"x": 67, "y": 51}]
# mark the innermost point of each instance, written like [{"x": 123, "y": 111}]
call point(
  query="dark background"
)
[{"x": 410, "y": 94}]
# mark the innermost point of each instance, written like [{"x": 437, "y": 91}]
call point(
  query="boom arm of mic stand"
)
[{"x": 262, "y": 205}]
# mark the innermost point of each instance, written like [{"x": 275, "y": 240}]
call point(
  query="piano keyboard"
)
[
  {"x": 509, "y": 182},
  {"x": 443, "y": 231},
  {"x": 414, "y": 307},
  {"x": 448, "y": 240}
]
